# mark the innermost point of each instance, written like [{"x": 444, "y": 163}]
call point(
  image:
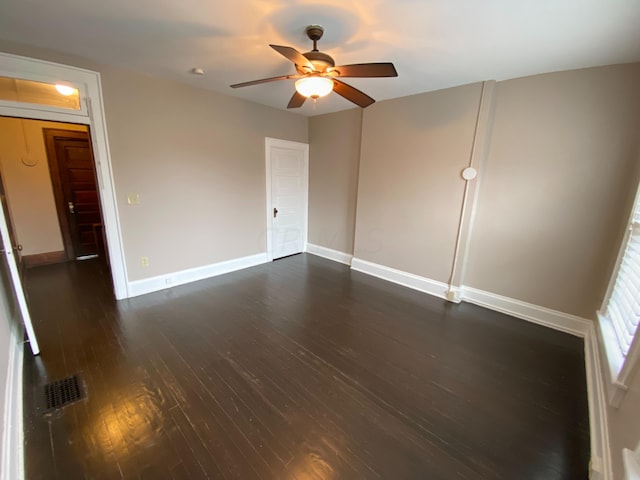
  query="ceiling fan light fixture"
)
[{"x": 314, "y": 86}]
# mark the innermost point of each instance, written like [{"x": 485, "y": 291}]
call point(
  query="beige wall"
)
[
  {"x": 334, "y": 157},
  {"x": 27, "y": 182},
  {"x": 196, "y": 158},
  {"x": 410, "y": 189},
  {"x": 559, "y": 168},
  {"x": 557, "y": 177}
]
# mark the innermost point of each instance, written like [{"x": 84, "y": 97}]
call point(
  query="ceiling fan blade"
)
[
  {"x": 365, "y": 70},
  {"x": 296, "y": 101},
  {"x": 352, "y": 94},
  {"x": 294, "y": 55},
  {"x": 263, "y": 80}
]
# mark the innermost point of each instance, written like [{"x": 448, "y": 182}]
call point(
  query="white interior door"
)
[
  {"x": 9, "y": 262},
  {"x": 287, "y": 197}
]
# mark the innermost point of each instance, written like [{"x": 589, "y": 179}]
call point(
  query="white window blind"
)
[{"x": 623, "y": 307}]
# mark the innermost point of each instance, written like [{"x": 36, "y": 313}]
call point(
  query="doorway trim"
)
[
  {"x": 304, "y": 147},
  {"x": 92, "y": 114}
]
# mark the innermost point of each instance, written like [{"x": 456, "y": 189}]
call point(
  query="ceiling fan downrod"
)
[{"x": 314, "y": 32}]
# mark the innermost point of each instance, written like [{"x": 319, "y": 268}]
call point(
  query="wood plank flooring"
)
[{"x": 297, "y": 369}]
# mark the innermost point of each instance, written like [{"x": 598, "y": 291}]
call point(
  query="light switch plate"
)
[{"x": 133, "y": 199}]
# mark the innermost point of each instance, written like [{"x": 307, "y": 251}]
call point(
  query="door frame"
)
[
  {"x": 91, "y": 113},
  {"x": 269, "y": 143},
  {"x": 12, "y": 254}
]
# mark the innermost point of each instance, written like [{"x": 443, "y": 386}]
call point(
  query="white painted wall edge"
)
[
  {"x": 631, "y": 462},
  {"x": 329, "y": 253},
  {"x": 410, "y": 280},
  {"x": 564, "y": 322},
  {"x": 13, "y": 434},
  {"x": 162, "y": 282},
  {"x": 600, "y": 465}
]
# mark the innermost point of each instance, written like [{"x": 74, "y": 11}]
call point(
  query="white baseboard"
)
[
  {"x": 329, "y": 253},
  {"x": 564, "y": 322},
  {"x": 600, "y": 466},
  {"x": 162, "y": 282},
  {"x": 416, "y": 282},
  {"x": 13, "y": 434},
  {"x": 533, "y": 313}
]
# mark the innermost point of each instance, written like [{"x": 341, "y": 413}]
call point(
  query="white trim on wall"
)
[
  {"x": 564, "y": 322},
  {"x": 631, "y": 462},
  {"x": 92, "y": 114},
  {"x": 162, "y": 282},
  {"x": 12, "y": 436},
  {"x": 477, "y": 159},
  {"x": 600, "y": 465},
  {"x": 410, "y": 280},
  {"x": 329, "y": 253}
]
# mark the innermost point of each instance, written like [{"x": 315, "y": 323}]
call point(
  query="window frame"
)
[{"x": 621, "y": 366}]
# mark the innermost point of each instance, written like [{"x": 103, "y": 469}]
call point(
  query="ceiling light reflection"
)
[{"x": 65, "y": 90}]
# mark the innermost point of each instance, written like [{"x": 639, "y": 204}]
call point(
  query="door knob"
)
[
  {"x": 18, "y": 247},
  {"x": 72, "y": 207},
  {"x": 275, "y": 212}
]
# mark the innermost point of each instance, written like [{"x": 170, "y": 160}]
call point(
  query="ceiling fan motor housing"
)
[
  {"x": 314, "y": 32},
  {"x": 320, "y": 60}
]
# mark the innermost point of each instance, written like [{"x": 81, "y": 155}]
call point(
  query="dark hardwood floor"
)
[{"x": 298, "y": 369}]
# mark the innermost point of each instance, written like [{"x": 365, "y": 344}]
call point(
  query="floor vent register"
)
[{"x": 63, "y": 392}]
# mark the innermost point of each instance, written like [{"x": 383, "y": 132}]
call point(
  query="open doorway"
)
[
  {"x": 26, "y": 80},
  {"x": 73, "y": 177},
  {"x": 50, "y": 182}
]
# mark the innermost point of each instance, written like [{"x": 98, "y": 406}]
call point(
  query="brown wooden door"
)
[{"x": 74, "y": 184}]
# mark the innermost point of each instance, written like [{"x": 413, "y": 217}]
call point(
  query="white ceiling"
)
[{"x": 433, "y": 44}]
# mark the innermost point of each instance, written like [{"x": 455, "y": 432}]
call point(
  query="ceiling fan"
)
[{"x": 318, "y": 75}]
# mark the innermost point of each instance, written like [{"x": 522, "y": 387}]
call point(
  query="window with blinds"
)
[{"x": 623, "y": 306}]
